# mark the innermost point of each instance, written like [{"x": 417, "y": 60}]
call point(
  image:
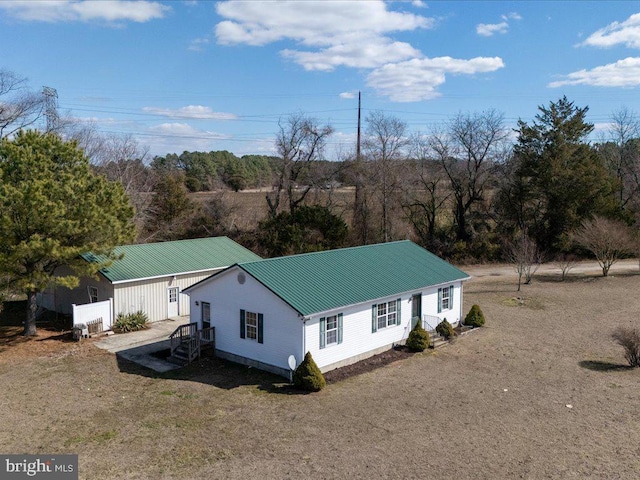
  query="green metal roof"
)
[
  {"x": 321, "y": 281},
  {"x": 149, "y": 260}
]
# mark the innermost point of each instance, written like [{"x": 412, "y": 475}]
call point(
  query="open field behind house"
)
[
  {"x": 248, "y": 207},
  {"x": 540, "y": 392}
]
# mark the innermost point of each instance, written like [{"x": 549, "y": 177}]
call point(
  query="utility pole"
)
[
  {"x": 358, "y": 145},
  {"x": 359, "y": 203},
  {"x": 51, "y": 108}
]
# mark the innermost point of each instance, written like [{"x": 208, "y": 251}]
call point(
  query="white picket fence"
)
[{"x": 90, "y": 312}]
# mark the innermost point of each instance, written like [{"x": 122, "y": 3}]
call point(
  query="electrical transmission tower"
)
[{"x": 51, "y": 107}]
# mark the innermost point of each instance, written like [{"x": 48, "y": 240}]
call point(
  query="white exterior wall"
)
[
  {"x": 151, "y": 296},
  {"x": 282, "y": 327},
  {"x": 285, "y": 333},
  {"x": 358, "y": 340}
]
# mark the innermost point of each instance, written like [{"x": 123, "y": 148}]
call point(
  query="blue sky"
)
[{"x": 204, "y": 75}]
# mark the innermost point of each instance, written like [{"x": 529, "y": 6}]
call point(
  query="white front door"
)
[{"x": 172, "y": 301}]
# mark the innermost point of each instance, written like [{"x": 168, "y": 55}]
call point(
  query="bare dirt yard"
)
[{"x": 540, "y": 392}]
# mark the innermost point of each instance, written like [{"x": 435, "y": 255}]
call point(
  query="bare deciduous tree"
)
[
  {"x": 120, "y": 158},
  {"x": 565, "y": 262},
  {"x": 19, "y": 106},
  {"x": 607, "y": 239},
  {"x": 425, "y": 194},
  {"x": 525, "y": 257},
  {"x": 621, "y": 152},
  {"x": 468, "y": 148},
  {"x": 384, "y": 146},
  {"x": 300, "y": 141}
]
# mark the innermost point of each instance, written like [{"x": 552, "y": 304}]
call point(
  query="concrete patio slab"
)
[{"x": 139, "y": 346}]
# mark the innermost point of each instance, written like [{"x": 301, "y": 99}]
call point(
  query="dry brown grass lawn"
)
[{"x": 540, "y": 392}]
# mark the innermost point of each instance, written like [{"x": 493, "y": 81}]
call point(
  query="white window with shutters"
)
[
  {"x": 331, "y": 330},
  {"x": 385, "y": 315},
  {"x": 445, "y": 298}
]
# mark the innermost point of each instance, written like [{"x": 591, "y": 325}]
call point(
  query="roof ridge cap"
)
[{"x": 355, "y": 247}]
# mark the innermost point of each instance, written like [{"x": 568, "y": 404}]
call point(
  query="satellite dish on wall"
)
[{"x": 292, "y": 362}]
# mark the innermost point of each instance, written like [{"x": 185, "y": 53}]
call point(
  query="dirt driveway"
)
[{"x": 540, "y": 392}]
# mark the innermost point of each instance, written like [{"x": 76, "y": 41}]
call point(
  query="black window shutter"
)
[
  {"x": 260, "y": 328},
  {"x": 242, "y": 327}
]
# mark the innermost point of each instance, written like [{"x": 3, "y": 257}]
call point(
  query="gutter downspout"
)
[
  {"x": 461, "y": 301},
  {"x": 304, "y": 337}
]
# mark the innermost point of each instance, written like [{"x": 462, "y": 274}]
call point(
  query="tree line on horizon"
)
[{"x": 466, "y": 190}]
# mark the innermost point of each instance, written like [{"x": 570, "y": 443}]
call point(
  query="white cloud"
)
[
  {"x": 489, "y": 29},
  {"x": 111, "y": 11},
  {"x": 178, "y": 137},
  {"x": 623, "y": 73},
  {"x": 365, "y": 54},
  {"x": 350, "y": 33},
  {"x": 418, "y": 79},
  {"x": 184, "y": 130},
  {"x": 617, "y": 33},
  {"x": 419, "y": 4},
  {"x": 347, "y": 95},
  {"x": 196, "y": 112},
  {"x": 197, "y": 45},
  {"x": 512, "y": 16},
  {"x": 354, "y": 34}
]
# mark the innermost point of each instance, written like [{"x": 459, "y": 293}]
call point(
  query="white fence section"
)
[{"x": 90, "y": 312}]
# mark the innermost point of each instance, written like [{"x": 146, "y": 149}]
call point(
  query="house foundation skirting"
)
[
  {"x": 283, "y": 372},
  {"x": 362, "y": 356}
]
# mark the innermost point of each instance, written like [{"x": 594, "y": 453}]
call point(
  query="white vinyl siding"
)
[
  {"x": 281, "y": 325},
  {"x": 358, "y": 321},
  {"x": 286, "y": 332}
]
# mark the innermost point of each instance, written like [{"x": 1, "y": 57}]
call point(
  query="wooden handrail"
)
[
  {"x": 189, "y": 335},
  {"x": 182, "y": 334}
]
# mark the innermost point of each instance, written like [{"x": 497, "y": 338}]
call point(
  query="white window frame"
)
[
  {"x": 251, "y": 326},
  {"x": 386, "y": 312},
  {"x": 331, "y": 331},
  {"x": 445, "y": 304},
  {"x": 93, "y": 294},
  {"x": 445, "y": 298}
]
